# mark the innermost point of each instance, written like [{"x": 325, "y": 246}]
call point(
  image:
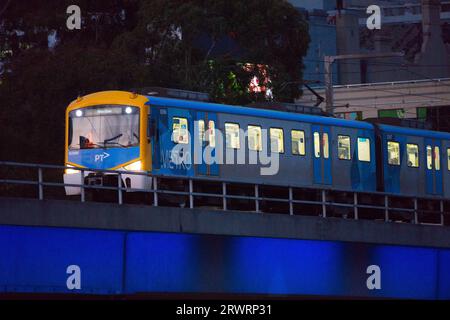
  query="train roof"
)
[
  {"x": 415, "y": 132},
  {"x": 264, "y": 113}
]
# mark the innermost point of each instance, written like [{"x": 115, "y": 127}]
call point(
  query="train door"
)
[
  {"x": 156, "y": 127},
  {"x": 205, "y": 144},
  {"x": 434, "y": 181},
  {"x": 446, "y": 169},
  {"x": 173, "y": 142},
  {"x": 365, "y": 161},
  {"x": 321, "y": 154}
]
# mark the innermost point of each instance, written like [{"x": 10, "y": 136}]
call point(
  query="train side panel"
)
[
  {"x": 358, "y": 172},
  {"x": 292, "y": 169},
  {"x": 168, "y": 157},
  {"x": 299, "y": 170},
  {"x": 422, "y": 169},
  {"x": 399, "y": 176}
]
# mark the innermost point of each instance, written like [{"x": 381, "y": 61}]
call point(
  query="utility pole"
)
[{"x": 329, "y": 60}]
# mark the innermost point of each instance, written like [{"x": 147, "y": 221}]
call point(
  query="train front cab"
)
[
  {"x": 108, "y": 131},
  {"x": 415, "y": 162}
]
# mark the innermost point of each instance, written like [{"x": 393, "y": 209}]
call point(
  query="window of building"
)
[
  {"x": 326, "y": 146},
  {"x": 429, "y": 158},
  {"x": 437, "y": 158},
  {"x": 276, "y": 140},
  {"x": 232, "y": 135},
  {"x": 421, "y": 113},
  {"x": 316, "y": 144},
  {"x": 254, "y": 138},
  {"x": 393, "y": 153},
  {"x": 412, "y": 152},
  {"x": 344, "y": 152},
  {"x": 445, "y": 7},
  {"x": 180, "y": 133},
  {"x": 364, "y": 149},
  {"x": 298, "y": 142}
]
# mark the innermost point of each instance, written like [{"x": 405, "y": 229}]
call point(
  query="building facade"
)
[{"x": 412, "y": 86}]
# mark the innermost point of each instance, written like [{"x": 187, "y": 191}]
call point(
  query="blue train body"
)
[
  {"x": 166, "y": 136},
  {"x": 294, "y": 169},
  {"x": 352, "y": 171}
]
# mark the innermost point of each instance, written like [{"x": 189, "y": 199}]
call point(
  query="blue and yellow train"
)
[{"x": 131, "y": 132}]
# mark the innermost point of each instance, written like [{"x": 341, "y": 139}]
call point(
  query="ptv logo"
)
[{"x": 102, "y": 156}]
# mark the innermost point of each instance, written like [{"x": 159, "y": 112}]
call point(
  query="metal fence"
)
[{"x": 389, "y": 206}]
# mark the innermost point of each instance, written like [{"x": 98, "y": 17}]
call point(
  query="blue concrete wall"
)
[{"x": 35, "y": 259}]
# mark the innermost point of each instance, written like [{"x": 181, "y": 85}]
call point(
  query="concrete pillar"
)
[
  {"x": 347, "y": 34},
  {"x": 433, "y": 51}
]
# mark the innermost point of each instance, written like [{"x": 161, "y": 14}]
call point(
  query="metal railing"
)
[{"x": 389, "y": 207}]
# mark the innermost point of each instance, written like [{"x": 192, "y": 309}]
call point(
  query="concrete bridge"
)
[
  {"x": 68, "y": 247},
  {"x": 107, "y": 216}
]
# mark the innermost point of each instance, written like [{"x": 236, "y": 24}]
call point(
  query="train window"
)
[
  {"x": 344, "y": 152},
  {"x": 232, "y": 135},
  {"x": 316, "y": 144},
  {"x": 69, "y": 140},
  {"x": 364, "y": 149},
  {"x": 448, "y": 159},
  {"x": 326, "y": 146},
  {"x": 201, "y": 130},
  {"x": 412, "y": 152},
  {"x": 211, "y": 134},
  {"x": 429, "y": 158},
  {"x": 393, "y": 153},
  {"x": 254, "y": 138},
  {"x": 180, "y": 133},
  {"x": 298, "y": 142},
  {"x": 276, "y": 140},
  {"x": 437, "y": 158}
]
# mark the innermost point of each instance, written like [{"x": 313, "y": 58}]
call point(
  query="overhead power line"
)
[
  {"x": 402, "y": 93},
  {"x": 391, "y": 64}
]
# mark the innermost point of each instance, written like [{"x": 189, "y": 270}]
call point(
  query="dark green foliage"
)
[{"x": 132, "y": 43}]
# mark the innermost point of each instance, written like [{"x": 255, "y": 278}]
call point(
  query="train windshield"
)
[{"x": 104, "y": 126}]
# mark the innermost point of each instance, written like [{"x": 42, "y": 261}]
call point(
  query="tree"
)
[
  {"x": 268, "y": 32},
  {"x": 125, "y": 44}
]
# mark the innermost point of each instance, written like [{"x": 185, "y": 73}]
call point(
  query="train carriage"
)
[{"x": 305, "y": 142}]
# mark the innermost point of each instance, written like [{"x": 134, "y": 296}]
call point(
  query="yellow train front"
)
[{"x": 107, "y": 130}]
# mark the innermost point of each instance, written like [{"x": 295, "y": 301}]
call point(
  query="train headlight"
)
[
  {"x": 71, "y": 171},
  {"x": 135, "y": 166}
]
